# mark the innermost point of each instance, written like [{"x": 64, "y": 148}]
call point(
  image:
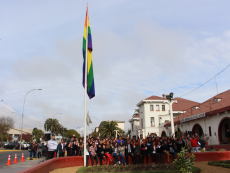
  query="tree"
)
[
  {"x": 94, "y": 134},
  {"x": 37, "y": 134},
  {"x": 6, "y": 123},
  {"x": 107, "y": 128},
  {"x": 53, "y": 125},
  {"x": 136, "y": 112},
  {"x": 26, "y": 137},
  {"x": 69, "y": 133}
]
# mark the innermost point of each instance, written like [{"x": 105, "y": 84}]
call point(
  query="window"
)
[
  {"x": 166, "y": 121},
  {"x": 132, "y": 126},
  {"x": 157, "y": 108},
  {"x": 152, "y": 121},
  {"x": 163, "y": 107},
  {"x": 210, "y": 131},
  {"x": 151, "y": 108},
  {"x": 141, "y": 123}
]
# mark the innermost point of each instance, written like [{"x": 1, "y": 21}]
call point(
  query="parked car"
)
[
  {"x": 25, "y": 145},
  {"x": 12, "y": 145},
  {"x": 6, "y": 143}
]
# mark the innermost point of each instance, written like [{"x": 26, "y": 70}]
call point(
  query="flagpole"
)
[{"x": 86, "y": 86}]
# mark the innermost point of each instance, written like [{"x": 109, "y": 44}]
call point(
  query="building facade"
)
[
  {"x": 209, "y": 119},
  {"x": 154, "y": 114}
]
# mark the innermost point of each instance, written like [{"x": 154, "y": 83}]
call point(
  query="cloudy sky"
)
[{"x": 141, "y": 48}]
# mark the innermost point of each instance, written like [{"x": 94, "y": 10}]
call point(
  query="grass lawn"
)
[{"x": 124, "y": 169}]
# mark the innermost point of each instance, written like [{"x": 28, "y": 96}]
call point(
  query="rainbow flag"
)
[{"x": 89, "y": 49}]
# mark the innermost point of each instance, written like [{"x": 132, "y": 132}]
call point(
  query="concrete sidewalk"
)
[{"x": 19, "y": 166}]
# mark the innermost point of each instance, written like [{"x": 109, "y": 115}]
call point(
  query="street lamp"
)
[
  {"x": 116, "y": 132},
  {"x": 170, "y": 102},
  {"x": 52, "y": 123},
  {"x": 23, "y": 115}
]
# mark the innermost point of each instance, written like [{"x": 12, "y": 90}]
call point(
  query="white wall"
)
[{"x": 212, "y": 121}]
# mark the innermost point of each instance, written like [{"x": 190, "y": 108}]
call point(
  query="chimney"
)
[{"x": 163, "y": 95}]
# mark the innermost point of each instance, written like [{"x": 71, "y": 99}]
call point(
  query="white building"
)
[
  {"x": 210, "y": 119},
  {"x": 154, "y": 113}
]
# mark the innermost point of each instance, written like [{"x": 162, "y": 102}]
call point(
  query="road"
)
[{"x": 4, "y": 156}]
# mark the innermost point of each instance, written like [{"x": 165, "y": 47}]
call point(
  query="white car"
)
[{"x": 25, "y": 145}]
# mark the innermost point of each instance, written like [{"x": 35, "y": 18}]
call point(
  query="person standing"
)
[
  {"x": 100, "y": 152},
  {"x": 144, "y": 152},
  {"x": 128, "y": 152},
  {"x": 30, "y": 149},
  {"x": 228, "y": 137},
  {"x": 159, "y": 151},
  {"x": 187, "y": 145},
  {"x": 137, "y": 153},
  {"x": 52, "y": 147},
  {"x": 194, "y": 144},
  {"x": 93, "y": 153},
  {"x": 152, "y": 151},
  {"x": 35, "y": 148},
  {"x": 141, "y": 140},
  {"x": 61, "y": 148}
]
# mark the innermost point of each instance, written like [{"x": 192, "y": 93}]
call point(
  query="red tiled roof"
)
[
  {"x": 155, "y": 98},
  {"x": 209, "y": 107},
  {"x": 183, "y": 104},
  {"x": 137, "y": 116}
]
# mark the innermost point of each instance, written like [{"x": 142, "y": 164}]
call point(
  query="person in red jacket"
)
[{"x": 194, "y": 145}]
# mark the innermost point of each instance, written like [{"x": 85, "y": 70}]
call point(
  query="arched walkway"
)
[
  {"x": 197, "y": 129},
  {"x": 222, "y": 129},
  {"x": 163, "y": 134}
]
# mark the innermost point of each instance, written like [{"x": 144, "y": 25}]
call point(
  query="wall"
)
[
  {"x": 121, "y": 125},
  {"x": 212, "y": 121},
  {"x": 156, "y": 114}
]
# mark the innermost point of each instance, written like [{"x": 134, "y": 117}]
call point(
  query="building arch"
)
[
  {"x": 197, "y": 129},
  {"x": 163, "y": 134},
  {"x": 222, "y": 129}
]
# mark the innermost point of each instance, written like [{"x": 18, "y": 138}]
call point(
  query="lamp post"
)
[
  {"x": 23, "y": 115},
  {"x": 52, "y": 123},
  {"x": 116, "y": 132},
  {"x": 170, "y": 102}
]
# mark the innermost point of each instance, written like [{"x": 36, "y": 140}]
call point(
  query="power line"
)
[{"x": 206, "y": 82}]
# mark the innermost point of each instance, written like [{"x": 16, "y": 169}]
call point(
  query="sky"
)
[{"x": 140, "y": 49}]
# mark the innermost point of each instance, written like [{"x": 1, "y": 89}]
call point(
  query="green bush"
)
[
  {"x": 222, "y": 150},
  {"x": 212, "y": 150},
  {"x": 225, "y": 164},
  {"x": 185, "y": 161}
]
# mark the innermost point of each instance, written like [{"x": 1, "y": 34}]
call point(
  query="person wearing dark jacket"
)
[
  {"x": 180, "y": 144},
  {"x": 30, "y": 149},
  {"x": 201, "y": 143},
  {"x": 159, "y": 151},
  {"x": 69, "y": 149},
  {"x": 166, "y": 150},
  {"x": 34, "y": 149},
  {"x": 137, "y": 153},
  {"x": 152, "y": 152},
  {"x": 172, "y": 149},
  {"x": 61, "y": 148},
  {"x": 100, "y": 152},
  {"x": 144, "y": 152},
  {"x": 129, "y": 152}
]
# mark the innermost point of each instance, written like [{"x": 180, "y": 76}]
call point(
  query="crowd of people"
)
[{"x": 124, "y": 147}]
